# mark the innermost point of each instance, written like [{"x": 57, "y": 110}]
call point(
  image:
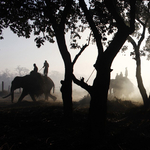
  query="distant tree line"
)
[{"x": 6, "y": 77}]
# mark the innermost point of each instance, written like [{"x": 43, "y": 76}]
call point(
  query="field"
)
[{"x": 41, "y": 126}]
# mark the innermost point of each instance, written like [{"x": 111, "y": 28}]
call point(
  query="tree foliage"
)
[
  {"x": 54, "y": 18},
  {"x": 142, "y": 26},
  {"x": 27, "y": 16},
  {"x": 38, "y": 16}
]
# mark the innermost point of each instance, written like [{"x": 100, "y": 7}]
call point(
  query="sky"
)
[{"x": 17, "y": 51}]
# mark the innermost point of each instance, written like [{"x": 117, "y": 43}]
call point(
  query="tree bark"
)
[
  {"x": 66, "y": 87},
  {"x": 141, "y": 87},
  {"x": 59, "y": 28},
  {"x": 98, "y": 104},
  {"x": 99, "y": 90},
  {"x": 139, "y": 78}
]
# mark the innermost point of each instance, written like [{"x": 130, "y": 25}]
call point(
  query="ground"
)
[{"x": 41, "y": 126}]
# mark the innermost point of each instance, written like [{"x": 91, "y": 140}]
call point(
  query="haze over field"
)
[{"x": 23, "y": 52}]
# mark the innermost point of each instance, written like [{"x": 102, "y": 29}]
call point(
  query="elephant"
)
[
  {"x": 34, "y": 84},
  {"x": 121, "y": 86}
]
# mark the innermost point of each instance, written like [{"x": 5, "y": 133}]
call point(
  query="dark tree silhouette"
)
[
  {"x": 142, "y": 19},
  {"x": 54, "y": 19},
  {"x": 105, "y": 16},
  {"x": 47, "y": 19}
]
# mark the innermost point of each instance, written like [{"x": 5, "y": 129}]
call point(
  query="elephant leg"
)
[
  {"x": 53, "y": 97},
  {"x": 23, "y": 94},
  {"x": 33, "y": 98},
  {"x": 46, "y": 96}
]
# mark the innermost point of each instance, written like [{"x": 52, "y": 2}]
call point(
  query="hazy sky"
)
[{"x": 23, "y": 52}]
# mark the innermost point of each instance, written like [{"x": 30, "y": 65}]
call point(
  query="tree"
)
[
  {"x": 22, "y": 71},
  {"x": 105, "y": 18},
  {"x": 142, "y": 19},
  {"x": 49, "y": 19},
  {"x": 6, "y": 77}
]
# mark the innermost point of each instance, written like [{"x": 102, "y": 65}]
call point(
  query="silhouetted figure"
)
[
  {"x": 121, "y": 85},
  {"x": 35, "y": 68},
  {"x": 46, "y": 65},
  {"x": 34, "y": 84}
]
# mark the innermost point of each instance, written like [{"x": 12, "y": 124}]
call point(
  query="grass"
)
[{"x": 41, "y": 126}]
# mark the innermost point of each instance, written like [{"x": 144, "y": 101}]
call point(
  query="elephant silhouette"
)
[{"x": 34, "y": 84}]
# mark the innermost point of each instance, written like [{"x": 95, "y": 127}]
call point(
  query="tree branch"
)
[
  {"x": 81, "y": 83},
  {"x": 77, "y": 56},
  {"x": 123, "y": 30},
  {"x": 112, "y": 9},
  {"x": 143, "y": 33},
  {"x": 64, "y": 15},
  {"x": 140, "y": 21},
  {"x": 65, "y": 12},
  {"x": 132, "y": 41},
  {"x": 48, "y": 12},
  {"x": 92, "y": 26},
  {"x": 82, "y": 49},
  {"x": 132, "y": 16}
]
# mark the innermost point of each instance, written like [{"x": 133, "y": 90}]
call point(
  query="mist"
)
[
  {"x": 121, "y": 87},
  {"x": 7, "y": 76}
]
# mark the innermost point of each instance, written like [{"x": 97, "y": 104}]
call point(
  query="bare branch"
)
[
  {"x": 143, "y": 33},
  {"x": 82, "y": 49},
  {"x": 132, "y": 41},
  {"x": 81, "y": 83},
  {"x": 77, "y": 56},
  {"x": 140, "y": 21}
]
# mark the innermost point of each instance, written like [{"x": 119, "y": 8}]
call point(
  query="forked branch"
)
[{"x": 82, "y": 49}]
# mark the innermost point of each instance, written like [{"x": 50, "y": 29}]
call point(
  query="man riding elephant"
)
[
  {"x": 46, "y": 65},
  {"x": 33, "y": 84}
]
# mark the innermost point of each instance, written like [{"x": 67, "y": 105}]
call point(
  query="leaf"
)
[
  {"x": 77, "y": 35},
  {"x": 1, "y": 37},
  {"x": 51, "y": 40},
  {"x": 39, "y": 41},
  {"x": 124, "y": 48},
  {"x": 132, "y": 53},
  {"x": 104, "y": 39}
]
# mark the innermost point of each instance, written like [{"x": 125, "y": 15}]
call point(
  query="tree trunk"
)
[
  {"x": 99, "y": 90},
  {"x": 138, "y": 64},
  {"x": 141, "y": 87},
  {"x": 139, "y": 78},
  {"x": 98, "y": 105},
  {"x": 66, "y": 88}
]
